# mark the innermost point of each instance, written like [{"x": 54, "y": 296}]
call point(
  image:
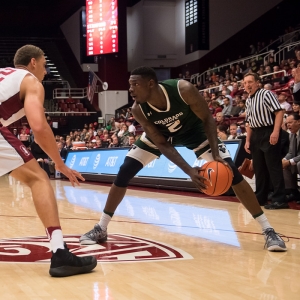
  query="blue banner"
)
[{"x": 108, "y": 161}]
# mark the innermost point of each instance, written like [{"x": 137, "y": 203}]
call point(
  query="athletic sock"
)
[
  {"x": 263, "y": 221},
  {"x": 55, "y": 237},
  {"x": 104, "y": 220}
]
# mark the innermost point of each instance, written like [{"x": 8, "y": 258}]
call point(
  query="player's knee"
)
[
  {"x": 127, "y": 171},
  {"x": 237, "y": 176}
]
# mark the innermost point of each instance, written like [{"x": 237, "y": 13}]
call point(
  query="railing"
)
[
  {"x": 201, "y": 77},
  {"x": 75, "y": 93},
  {"x": 62, "y": 82},
  {"x": 282, "y": 38},
  {"x": 261, "y": 76},
  {"x": 280, "y": 55}
]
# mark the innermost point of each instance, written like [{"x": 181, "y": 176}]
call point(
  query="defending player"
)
[
  {"x": 21, "y": 93},
  {"x": 173, "y": 113}
]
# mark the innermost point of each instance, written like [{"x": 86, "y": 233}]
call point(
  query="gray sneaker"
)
[
  {"x": 273, "y": 241},
  {"x": 94, "y": 236}
]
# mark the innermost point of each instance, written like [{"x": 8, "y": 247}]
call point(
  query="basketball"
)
[{"x": 219, "y": 178}]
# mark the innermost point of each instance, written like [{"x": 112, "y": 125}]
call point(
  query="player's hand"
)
[
  {"x": 71, "y": 174},
  {"x": 198, "y": 180}
]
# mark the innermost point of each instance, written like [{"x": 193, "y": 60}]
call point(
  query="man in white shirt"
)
[
  {"x": 131, "y": 127},
  {"x": 282, "y": 100}
]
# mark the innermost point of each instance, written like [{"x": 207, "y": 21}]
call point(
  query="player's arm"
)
[
  {"x": 32, "y": 92},
  {"x": 200, "y": 108},
  {"x": 165, "y": 147}
]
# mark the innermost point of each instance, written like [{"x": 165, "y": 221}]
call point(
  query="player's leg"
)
[
  {"x": 246, "y": 196},
  {"x": 138, "y": 157},
  {"x": 15, "y": 158}
]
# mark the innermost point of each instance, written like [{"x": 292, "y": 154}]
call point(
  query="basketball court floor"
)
[{"x": 161, "y": 246}]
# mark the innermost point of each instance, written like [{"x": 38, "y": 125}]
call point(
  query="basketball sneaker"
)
[
  {"x": 95, "y": 236},
  {"x": 273, "y": 241},
  {"x": 64, "y": 263}
]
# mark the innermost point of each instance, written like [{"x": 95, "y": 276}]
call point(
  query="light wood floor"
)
[{"x": 161, "y": 246}]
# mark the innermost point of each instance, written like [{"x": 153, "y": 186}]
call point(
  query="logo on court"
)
[
  {"x": 24, "y": 150},
  {"x": 118, "y": 248}
]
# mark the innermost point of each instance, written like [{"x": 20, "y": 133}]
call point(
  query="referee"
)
[{"x": 264, "y": 115}]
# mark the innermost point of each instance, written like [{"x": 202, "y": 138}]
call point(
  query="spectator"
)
[
  {"x": 226, "y": 107},
  {"x": 296, "y": 107},
  {"x": 282, "y": 100},
  {"x": 114, "y": 143},
  {"x": 221, "y": 121},
  {"x": 268, "y": 87},
  {"x": 222, "y": 132},
  {"x": 15, "y": 133},
  {"x": 291, "y": 161},
  {"x": 233, "y": 131},
  {"x": 24, "y": 137},
  {"x": 131, "y": 127}
]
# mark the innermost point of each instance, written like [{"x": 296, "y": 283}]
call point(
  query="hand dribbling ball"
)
[{"x": 219, "y": 178}]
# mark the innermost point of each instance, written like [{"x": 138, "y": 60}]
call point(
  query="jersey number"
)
[
  {"x": 5, "y": 73},
  {"x": 173, "y": 127}
]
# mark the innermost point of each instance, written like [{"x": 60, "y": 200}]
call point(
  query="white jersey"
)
[{"x": 11, "y": 106}]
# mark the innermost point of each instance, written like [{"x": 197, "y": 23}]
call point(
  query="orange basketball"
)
[{"x": 219, "y": 178}]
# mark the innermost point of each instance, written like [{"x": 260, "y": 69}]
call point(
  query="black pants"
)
[{"x": 267, "y": 165}]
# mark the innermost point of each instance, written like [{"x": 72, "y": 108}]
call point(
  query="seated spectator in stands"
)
[
  {"x": 236, "y": 108},
  {"x": 287, "y": 69},
  {"x": 261, "y": 70},
  {"x": 226, "y": 111},
  {"x": 268, "y": 86},
  {"x": 68, "y": 144},
  {"x": 131, "y": 127},
  {"x": 99, "y": 133},
  {"x": 296, "y": 107},
  {"x": 229, "y": 86},
  {"x": 24, "y": 137},
  {"x": 114, "y": 143},
  {"x": 254, "y": 67},
  {"x": 222, "y": 132},
  {"x": 180, "y": 76},
  {"x": 277, "y": 75},
  {"x": 15, "y": 133},
  {"x": 235, "y": 90},
  {"x": 63, "y": 151},
  {"x": 221, "y": 121},
  {"x": 216, "y": 106},
  {"x": 106, "y": 140},
  {"x": 268, "y": 70},
  {"x": 123, "y": 133},
  {"x": 271, "y": 62},
  {"x": 289, "y": 85},
  {"x": 98, "y": 144},
  {"x": 282, "y": 100},
  {"x": 128, "y": 115},
  {"x": 233, "y": 131},
  {"x": 244, "y": 95},
  {"x": 104, "y": 133},
  {"x": 242, "y": 105},
  {"x": 131, "y": 140}
]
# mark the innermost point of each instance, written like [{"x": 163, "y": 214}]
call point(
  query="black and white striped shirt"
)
[{"x": 260, "y": 108}]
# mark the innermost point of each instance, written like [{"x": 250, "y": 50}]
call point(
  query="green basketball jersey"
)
[{"x": 178, "y": 119}]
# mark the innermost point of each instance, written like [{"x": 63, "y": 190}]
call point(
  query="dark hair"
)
[
  {"x": 296, "y": 116},
  {"x": 222, "y": 128},
  {"x": 255, "y": 76},
  {"x": 145, "y": 72},
  {"x": 24, "y": 55}
]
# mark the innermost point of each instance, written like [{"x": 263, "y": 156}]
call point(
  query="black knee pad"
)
[
  {"x": 128, "y": 170},
  {"x": 237, "y": 176}
]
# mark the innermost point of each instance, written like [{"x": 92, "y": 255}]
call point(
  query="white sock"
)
[
  {"x": 56, "y": 240},
  {"x": 104, "y": 220},
  {"x": 263, "y": 222}
]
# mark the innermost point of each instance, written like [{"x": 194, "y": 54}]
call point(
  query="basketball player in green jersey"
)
[{"x": 173, "y": 113}]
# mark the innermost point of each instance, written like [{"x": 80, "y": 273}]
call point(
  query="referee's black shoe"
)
[{"x": 277, "y": 205}]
